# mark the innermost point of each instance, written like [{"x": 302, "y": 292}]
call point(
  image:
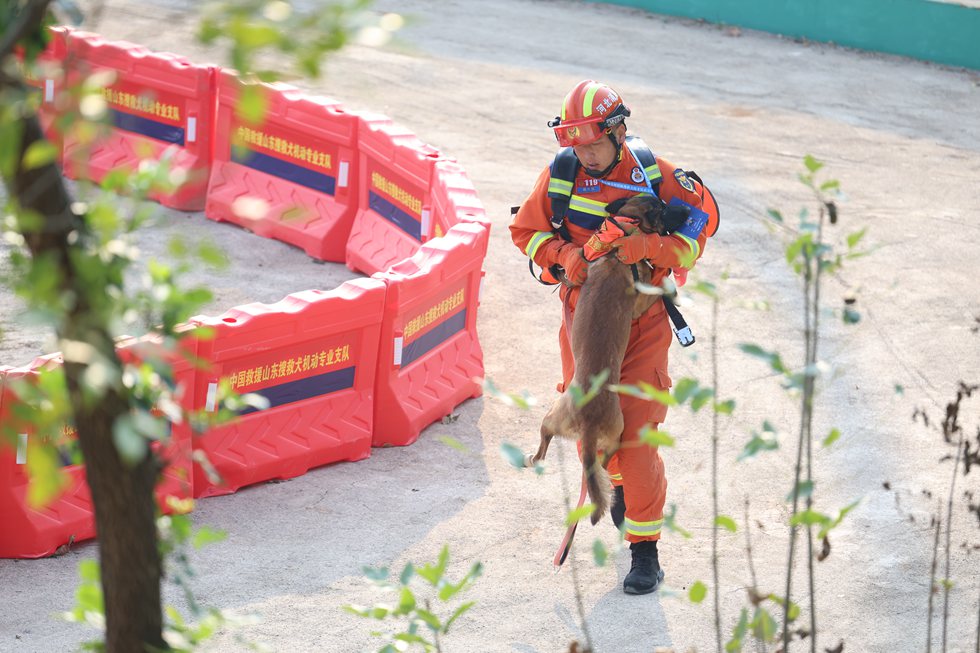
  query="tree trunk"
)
[{"x": 122, "y": 494}]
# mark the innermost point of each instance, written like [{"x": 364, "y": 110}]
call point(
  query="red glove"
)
[
  {"x": 601, "y": 242},
  {"x": 576, "y": 267},
  {"x": 637, "y": 246}
]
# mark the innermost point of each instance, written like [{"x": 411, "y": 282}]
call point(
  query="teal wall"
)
[{"x": 923, "y": 29}]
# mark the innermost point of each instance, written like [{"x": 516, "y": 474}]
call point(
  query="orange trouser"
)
[{"x": 637, "y": 466}]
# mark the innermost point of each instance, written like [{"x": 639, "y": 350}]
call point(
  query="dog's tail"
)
[{"x": 597, "y": 480}]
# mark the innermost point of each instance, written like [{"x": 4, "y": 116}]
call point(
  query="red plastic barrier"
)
[
  {"x": 30, "y": 533},
  {"x": 26, "y": 532},
  {"x": 159, "y": 103},
  {"x": 290, "y": 177},
  {"x": 177, "y": 478},
  {"x": 48, "y": 75},
  {"x": 454, "y": 198},
  {"x": 394, "y": 206},
  {"x": 430, "y": 358},
  {"x": 313, "y": 356}
]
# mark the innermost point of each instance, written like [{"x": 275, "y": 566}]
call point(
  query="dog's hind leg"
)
[{"x": 554, "y": 423}]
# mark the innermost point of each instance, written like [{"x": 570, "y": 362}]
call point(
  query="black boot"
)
[
  {"x": 618, "y": 509},
  {"x": 645, "y": 573}
]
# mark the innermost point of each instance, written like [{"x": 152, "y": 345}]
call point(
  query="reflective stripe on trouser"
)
[{"x": 639, "y": 465}]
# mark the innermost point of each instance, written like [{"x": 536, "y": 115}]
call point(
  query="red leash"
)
[{"x": 566, "y": 543}]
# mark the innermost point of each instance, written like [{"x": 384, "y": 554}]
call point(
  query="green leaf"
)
[
  {"x": 830, "y": 525},
  {"x": 899, "y": 389},
  {"x": 130, "y": 444},
  {"x": 252, "y": 103},
  {"x": 40, "y": 153},
  {"x": 851, "y": 316},
  {"x": 376, "y": 574},
  {"x": 655, "y": 438},
  {"x": 831, "y": 438},
  {"x": 645, "y": 391},
  {"x": 794, "y": 249},
  {"x": 578, "y": 514},
  {"x": 453, "y": 443},
  {"x": 726, "y": 522},
  {"x": 406, "y": 602},
  {"x": 406, "y": 574},
  {"x": 763, "y": 626},
  {"x": 512, "y": 454},
  {"x": 88, "y": 570},
  {"x": 774, "y": 360},
  {"x": 811, "y": 163},
  {"x": 212, "y": 255},
  {"x": 775, "y": 215},
  {"x": 670, "y": 523},
  {"x": 207, "y": 535},
  {"x": 830, "y": 184},
  {"x": 459, "y": 611},
  {"x": 684, "y": 389},
  {"x": 854, "y": 238},
  {"x": 809, "y": 517},
  {"x": 46, "y": 479},
  {"x": 430, "y": 620},
  {"x": 725, "y": 407},
  {"x": 701, "y": 398},
  {"x": 523, "y": 401},
  {"x": 804, "y": 490},
  {"x": 599, "y": 553},
  {"x": 757, "y": 444},
  {"x": 697, "y": 592},
  {"x": 739, "y": 632}
]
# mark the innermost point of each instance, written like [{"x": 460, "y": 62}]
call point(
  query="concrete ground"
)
[{"x": 479, "y": 80}]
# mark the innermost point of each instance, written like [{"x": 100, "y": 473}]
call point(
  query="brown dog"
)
[{"x": 607, "y": 303}]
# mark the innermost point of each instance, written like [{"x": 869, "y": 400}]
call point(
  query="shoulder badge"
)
[
  {"x": 636, "y": 175},
  {"x": 682, "y": 179}
]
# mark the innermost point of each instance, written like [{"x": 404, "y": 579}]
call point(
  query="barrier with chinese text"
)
[
  {"x": 159, "y": 104},
  {"x": 313, "y": 357},
  {"x": 290, "y": 177},
  {"x": 393, "y": 209},
  {"x": 429, "y": 358}
]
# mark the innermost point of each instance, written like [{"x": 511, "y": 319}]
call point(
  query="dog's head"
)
[{"x": 648, "y": 209}]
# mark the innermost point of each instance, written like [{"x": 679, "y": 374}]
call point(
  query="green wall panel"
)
[{"x": 923, "y": 29}]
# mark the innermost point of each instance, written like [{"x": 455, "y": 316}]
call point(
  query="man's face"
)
[{"x": 597, "y": 156}]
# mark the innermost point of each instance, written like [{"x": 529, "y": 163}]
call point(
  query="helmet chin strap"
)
[{"x": 616, "y": 159}]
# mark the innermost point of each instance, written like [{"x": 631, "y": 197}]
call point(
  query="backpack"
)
[{"x": 564, "y": 168}]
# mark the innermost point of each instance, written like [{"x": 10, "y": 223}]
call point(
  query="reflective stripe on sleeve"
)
[
  {"x": 695, "y": 250},
  {"x": 536, "y": 241},
  {"x": 644, "y": 528},
  {"x": 559, "y": 186}
]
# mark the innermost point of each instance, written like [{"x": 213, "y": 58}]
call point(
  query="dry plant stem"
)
[
  {"x": 800, "y": 447},
  {"x": 566, "y": 497},
  {"x": 810, "y": 390},
  {"x": 760, "y": 645},
  {"x": 435, "y": 633},
  {"x": 932, "y": 578},
  {"x": 977, "y": 647},
  {"x": 714, "y": 472},
  {"x": 946, "y": 546}
]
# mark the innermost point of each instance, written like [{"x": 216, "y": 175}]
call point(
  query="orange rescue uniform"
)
[{"x": 638, "y": 468}]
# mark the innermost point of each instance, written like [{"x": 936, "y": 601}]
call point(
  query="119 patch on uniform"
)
[
  {"x": 682, "y": 179},
  {"x": 588, "y": 186}
]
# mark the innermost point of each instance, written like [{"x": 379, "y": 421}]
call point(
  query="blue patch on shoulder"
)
[{"x": 695, "y": 222}]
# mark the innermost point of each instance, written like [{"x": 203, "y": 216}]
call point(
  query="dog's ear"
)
[{"x": 615, "y": 206}]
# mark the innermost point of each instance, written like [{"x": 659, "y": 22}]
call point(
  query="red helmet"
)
[{"x": 589, "y": 110}]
